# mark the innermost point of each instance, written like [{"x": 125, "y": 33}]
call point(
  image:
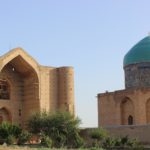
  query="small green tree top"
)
[
  {"x": 61, "y": 127},
  {"x": 98, "y": 134}
]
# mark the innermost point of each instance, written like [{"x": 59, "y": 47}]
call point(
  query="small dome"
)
[{"x": 138, "y": 53}]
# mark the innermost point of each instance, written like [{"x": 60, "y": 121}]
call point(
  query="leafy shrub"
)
[
  {"x": 8, "y": 132},
  {"x": 135, "y": 144},
  {"x": 109, "y": 142},
  {"x": 61, "y": 127},
  {"x": 122, "y": 143},
  {"x": 11, "y": 139},
  {"x": 24, "y": 137},
  {"x": 99, "y": 134},
  {"x": 79, "y": 142},
  {"x": 118, "y": 141},
  {"x": 37, "y": 122},
  {"x": 75, "y": 142},
  {"x": 46, "y": 141},
  {"x": 124, "y": 140}
]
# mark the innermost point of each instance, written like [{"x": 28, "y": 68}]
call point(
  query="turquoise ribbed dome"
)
[{"x": 138, "y": 53}]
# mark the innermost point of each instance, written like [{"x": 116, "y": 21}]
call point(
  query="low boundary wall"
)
[{"x": 141, "y": 132}]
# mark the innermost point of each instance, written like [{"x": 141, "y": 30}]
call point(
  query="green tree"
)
[{"x": 61, "y": 127}]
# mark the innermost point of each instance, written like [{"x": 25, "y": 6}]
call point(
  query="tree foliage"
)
[
  {"x": 13, "y": 134},
  {"x": 61, "y": 127},
  {"x": 7, "y": 129},
  {"x": 9, "y": 132},
  {"x": 99, "y": 134},
  {"x": 24, "y": 137}
]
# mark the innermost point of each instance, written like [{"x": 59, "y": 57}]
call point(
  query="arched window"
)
[
  {"x": 130, "y": 120},
  {"x": 4, "y": 89}
]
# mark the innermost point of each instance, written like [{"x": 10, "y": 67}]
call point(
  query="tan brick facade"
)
[
  {"x": 117, "y": 108},
  {"x": 130, "y": 106},
  {"x": 27, "y": 87}
]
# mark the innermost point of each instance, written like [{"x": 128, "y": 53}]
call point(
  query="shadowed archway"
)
[
  {"x": 5, "y": 115},
  {"x": 24, "y": 88},
  {"x": 127, "y": 111}
]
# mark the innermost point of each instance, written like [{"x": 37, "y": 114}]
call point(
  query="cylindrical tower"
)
[
  {"x": 66, "y": 89},
  {"x": 137, "y": 65}
]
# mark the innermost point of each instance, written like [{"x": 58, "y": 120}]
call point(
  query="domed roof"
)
[{"x": 138, "y": 53}]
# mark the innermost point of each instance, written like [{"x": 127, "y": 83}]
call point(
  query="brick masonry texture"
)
[
  {"x": 131, "y": 105},
  {"x": 33, "y": 87}
]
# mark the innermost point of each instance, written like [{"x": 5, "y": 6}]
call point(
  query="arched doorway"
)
[
  {"x": 24, "y": 95},
  {"x": 5, "y": 115},
  {"x": 130, "y": 120},
  {"x": 127, "y": 111}
]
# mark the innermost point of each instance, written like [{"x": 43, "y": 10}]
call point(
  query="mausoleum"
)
[
  {"x": 27, "y": 87},
  {"x": 130, "y": 106}
]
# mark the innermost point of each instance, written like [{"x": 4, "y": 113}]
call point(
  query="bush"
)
[
  {"x": 10, "y": 140},
  {"x": 8, "y": 132},
  {"x": 37, "y": 122},
  {"x": 98, "y": 135},
  {"x": 122, "y": 143},
  {"x": 24, "y": 137},
  {"x": 61, "y": 127},
  {"x": 75, "y": 142},
  {"x": 46, "y": 141},
  {"x": 79, "y": 142},
  {"x": 135, "y": 144},
  {"x": 109, "y": 142}
]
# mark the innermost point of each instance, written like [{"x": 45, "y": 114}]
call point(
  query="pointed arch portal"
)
[
  {"x": 127, "y": 111},
  {"x": 5, "y": 115},
  {"x": 24, "y": 85}
]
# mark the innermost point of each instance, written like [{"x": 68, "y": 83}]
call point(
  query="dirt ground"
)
[{"x": 25, "y": 148}]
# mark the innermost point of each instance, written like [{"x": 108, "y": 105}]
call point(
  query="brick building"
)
[
  {"x": 130, "y": 106},
  {"x": 27, "y": 87}
]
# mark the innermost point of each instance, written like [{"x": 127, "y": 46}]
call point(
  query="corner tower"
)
[
  {"x": 66, "y": 89},
  {"x": 137, "y": 65}
]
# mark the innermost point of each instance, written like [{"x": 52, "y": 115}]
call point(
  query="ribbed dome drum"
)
[{"x": 137, "y": 65}]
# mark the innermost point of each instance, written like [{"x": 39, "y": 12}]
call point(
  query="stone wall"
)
[{"x": 142, "y": 132}]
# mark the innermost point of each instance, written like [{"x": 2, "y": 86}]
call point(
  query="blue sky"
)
[{"x": 91, "y": 35}]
